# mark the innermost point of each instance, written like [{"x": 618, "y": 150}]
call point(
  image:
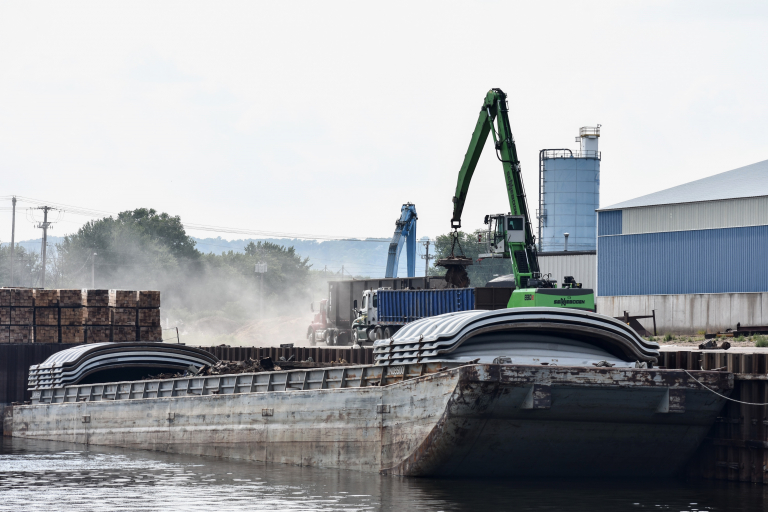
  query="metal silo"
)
[{"x": 569, "y": 194}]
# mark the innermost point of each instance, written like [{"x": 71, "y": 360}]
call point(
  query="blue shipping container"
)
[{"x": 402, "y": 306}]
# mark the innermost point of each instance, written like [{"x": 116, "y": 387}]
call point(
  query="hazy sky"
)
[{"x": 324, "y": 117}]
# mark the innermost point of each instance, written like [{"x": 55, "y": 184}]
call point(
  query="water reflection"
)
[{"x": 57, "y": 476}]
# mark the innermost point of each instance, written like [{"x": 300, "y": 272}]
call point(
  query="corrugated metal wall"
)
[
  {"x": 730, "y": 213},
  {"x": 730, "y": 260},
  {"x": 609, "y": 223},
  {"x": 583, "y": 267}
]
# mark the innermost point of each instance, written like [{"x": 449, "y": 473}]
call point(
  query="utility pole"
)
[
  {"x": 342, "y": 272},
  {"x": 45, "y": 225},
  {"x": 427, "y": 257},
  {"x": 13, "y": 236},
  {"x": 261, "y": 268},
  {"x": 93, "y": 271}
]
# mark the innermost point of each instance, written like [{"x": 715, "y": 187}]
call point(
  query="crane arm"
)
[
  {"x": 405, "y": 233},
  {"x": 479, "y": 136},
  {"x": 494, "y": 108}
]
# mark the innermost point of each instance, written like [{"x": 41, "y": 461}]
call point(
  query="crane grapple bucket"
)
[{"x": 456, "y": 270}]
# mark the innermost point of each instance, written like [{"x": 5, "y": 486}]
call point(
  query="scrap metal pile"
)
[
  {"x": 223, "y": 368},
  {"x": 250, "y": 365}
]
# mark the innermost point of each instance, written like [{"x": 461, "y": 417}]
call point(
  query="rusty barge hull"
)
[{"x": 473, "y": 420}]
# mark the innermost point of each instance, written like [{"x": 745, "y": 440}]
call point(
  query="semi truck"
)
[{"x": 361, "y": 311}]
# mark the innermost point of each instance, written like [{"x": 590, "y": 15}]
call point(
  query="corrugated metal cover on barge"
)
[
  {"x": 527, "y": 335},
  {"x": 73, "y": 365}
]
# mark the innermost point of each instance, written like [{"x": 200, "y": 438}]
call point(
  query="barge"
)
[{"x": 423, "y": 409}]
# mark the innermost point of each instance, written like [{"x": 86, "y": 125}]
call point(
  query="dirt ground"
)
[{"x": 684, "y": 341}]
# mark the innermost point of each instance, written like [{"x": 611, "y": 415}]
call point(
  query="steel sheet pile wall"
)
[
  {"x": 405, "y": 306},
  {"x": 15, "y": 361},
  {"x": 737, "y": 445}
]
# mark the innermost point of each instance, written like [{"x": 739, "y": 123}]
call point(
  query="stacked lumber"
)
[
  {"x": 46, "y": 316},
  {"x": 5, "y": 315},
  {"x": 71, "y": 316},
  {"x": 124, "y": 318},
  {"x": 21, "y": 315},
  {"x": 98, "y": 315},
  {"x": 148, "y": 303},
  {"x": 124, "y": 298},
  {"x": 77, "y": 316}
]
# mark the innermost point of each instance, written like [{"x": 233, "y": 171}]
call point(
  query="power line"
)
[{"x": 93, "y": 213}]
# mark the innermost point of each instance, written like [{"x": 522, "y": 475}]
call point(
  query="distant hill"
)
[
  {"x": 36, "y": 244},
  {"x": 358, "y": 257}
]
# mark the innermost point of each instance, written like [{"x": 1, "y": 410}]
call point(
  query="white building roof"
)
[{"x": 748, "y": 181}]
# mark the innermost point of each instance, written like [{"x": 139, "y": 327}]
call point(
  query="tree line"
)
[{"x": 145, "y": 249}]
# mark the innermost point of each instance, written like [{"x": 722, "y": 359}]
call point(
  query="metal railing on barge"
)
[{"x": 288, "y": 380}]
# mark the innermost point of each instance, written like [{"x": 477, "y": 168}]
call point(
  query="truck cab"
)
[
  {"x": 364, "y": 327},
  {"x": 318, "y": 329}
]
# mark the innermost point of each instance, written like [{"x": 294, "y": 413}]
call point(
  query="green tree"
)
[
  {"x": 161, "y": 228},
  {"x": 26, "y": 266},
  {"x": 283, "y": 264},
  {"x": 135, "y": 250},
  {"x": 144, "y": 249}
]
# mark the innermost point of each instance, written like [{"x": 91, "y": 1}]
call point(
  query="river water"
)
[{"x": 46, "y": 476}]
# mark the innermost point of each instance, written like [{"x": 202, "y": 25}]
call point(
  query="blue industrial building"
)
[
  {"x": 708, "y": 236},
  {"x": 569, "y": 194}
]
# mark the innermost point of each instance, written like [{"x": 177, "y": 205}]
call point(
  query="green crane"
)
[{"x": 509, "y": 235}]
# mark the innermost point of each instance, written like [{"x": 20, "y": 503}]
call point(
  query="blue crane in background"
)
[{"x": 405, "y": 231}]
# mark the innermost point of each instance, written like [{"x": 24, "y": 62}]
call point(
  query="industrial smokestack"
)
[{"x": 566, "y": 241}]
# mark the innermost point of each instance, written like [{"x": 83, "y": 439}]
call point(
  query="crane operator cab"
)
[{"x": 502, "y": 230}]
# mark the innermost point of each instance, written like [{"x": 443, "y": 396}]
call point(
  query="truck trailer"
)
[{"x": 358, "y": 311}]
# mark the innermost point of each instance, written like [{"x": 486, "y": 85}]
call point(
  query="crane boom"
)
[
  {"x": 523, "y": 253},
  {"x": 405, "y": 232},
  {"x": 510, "y": 235}
]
